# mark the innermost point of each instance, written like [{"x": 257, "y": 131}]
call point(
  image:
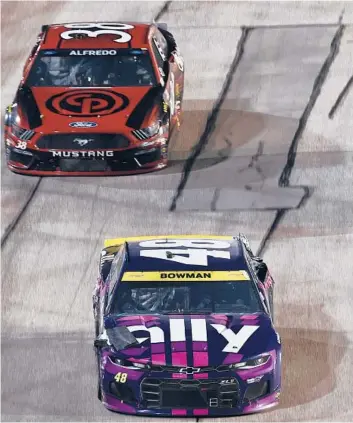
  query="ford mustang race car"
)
[
  {"x": 184, "y": 327},
  {"x": 96, "y": 99}
]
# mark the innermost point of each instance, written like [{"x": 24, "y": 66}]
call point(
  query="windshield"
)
[
  {"x": 92, "y": 68},
  {"x": 185, "y": 297}
]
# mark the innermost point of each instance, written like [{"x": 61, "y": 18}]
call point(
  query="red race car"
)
[{"x": 96, "y": 99}]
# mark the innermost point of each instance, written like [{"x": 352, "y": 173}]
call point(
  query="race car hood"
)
[
  {"x": 195, "y": 340},
  {"x": 109, "y": 109}
]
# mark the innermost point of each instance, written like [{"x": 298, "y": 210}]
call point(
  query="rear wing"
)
[{"x": 119, "y": 241}]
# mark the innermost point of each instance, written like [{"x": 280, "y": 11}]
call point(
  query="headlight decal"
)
[{"x": 249, "y": 369}]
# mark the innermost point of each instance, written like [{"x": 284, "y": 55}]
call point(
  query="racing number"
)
[
  {"x": 22, "y": 145},
  {"x": 120, "y": 377},
  {"x": 93, "y": 30},
  {"x": 196, "y": 251}
]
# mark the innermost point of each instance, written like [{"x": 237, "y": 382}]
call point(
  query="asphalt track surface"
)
[{"x": 273, "y": 164}]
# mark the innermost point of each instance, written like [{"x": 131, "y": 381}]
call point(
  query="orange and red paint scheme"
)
[{"x": 96, "y": 99}]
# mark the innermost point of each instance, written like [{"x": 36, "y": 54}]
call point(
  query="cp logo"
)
[{"x": 87, "y": 103}]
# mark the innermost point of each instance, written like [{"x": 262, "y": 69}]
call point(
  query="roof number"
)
[
  {"x": 95, "y": 29},
  {"x": 196, "y": 252}
]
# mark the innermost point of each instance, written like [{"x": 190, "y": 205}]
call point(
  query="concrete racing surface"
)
[{"x": 271, "y": 164}]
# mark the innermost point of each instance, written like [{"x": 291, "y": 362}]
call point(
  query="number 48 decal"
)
[
  {"x": 196, "y": 252},
  {"x": 120, "y": 377}
]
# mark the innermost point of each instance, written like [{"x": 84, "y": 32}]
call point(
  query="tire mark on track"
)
[
  {"x": 212, "y": 118},
  {"x": 11, "y": 227},
  {"x": 343, "y": 94},
  {"x": 163, "y": 10},
  {"x": 292, "y": 153}
]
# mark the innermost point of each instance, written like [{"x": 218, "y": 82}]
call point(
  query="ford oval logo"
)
[{"x": 83, "y": 124}]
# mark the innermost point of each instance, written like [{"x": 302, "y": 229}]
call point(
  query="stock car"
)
[
  {"x": 184, "y": 327},
  {"x": 96, "y": 99}
]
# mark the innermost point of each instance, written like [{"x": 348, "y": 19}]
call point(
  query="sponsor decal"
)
[
  {"x": 83, "y": 124},
  {"x": 93, "y": 53},
  {"x": 93, "y": 30},
  {"x": 83, "y": 141},
  {"x": 82, "y": 154},
  {"x": 172, "y": 94},
  {"x": 222, "y": 275},
  {"x": 235, "y": 341},
  {"x": 87, "y": 103},
  {"x": 179, "y": 61},
  {"x": 268, "y": 281},
  {"x": 165, "y": 107}
]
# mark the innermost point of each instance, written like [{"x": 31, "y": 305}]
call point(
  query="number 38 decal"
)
[
  {"x": 95, "y": 29},
  {"x": 196, "y": 252}
]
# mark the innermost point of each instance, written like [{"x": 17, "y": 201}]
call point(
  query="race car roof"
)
[
  {"x": 141, "y": 259},
  {"x": 96, "y": 35}
]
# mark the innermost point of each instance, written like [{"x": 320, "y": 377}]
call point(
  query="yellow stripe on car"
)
[
  {"x": 177, "y": 276},
  {"x": 119, "y": 241}
]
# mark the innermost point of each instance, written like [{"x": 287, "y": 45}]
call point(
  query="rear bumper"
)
[{"x": 94, "y": 163}]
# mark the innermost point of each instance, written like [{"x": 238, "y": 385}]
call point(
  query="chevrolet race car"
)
[
  {"x": 184, "y": 327},
  {"x": 96, "y": 99}
]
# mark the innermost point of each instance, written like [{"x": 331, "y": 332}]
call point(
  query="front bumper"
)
[
  {"x": 87, "y": 163},
  {"x": 161, "y": 393}
]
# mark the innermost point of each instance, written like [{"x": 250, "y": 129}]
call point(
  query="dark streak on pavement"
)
[
  {"x": 211, "y": 120},
  {"x": 341, "y": 97},
  {"x": 292, "y": 153}
]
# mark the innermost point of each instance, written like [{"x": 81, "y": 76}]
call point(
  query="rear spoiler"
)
[{"x": 119, "y": 241}]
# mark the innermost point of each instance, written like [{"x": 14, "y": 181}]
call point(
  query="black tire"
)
[
  {"x": 99, "y": 387},
  {"x": 96, "y": 327}
]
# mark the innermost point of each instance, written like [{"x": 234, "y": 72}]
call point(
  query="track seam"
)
[
  {"x": 11, "y": 227},
  {"x": 211, "y": 119},
  {"x": 292, "y": 152}
]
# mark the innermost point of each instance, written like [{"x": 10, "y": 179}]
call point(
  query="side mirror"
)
[{"x": 100, "y": 343}]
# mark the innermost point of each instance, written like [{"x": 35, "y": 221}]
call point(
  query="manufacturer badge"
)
[
  {"x": 83, "y": 141},
  {"x": 83, "y": 124}
]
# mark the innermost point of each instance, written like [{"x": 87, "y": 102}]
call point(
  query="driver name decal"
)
[
  {"x": 186, "y": 275},
  {"x": 93, "y": 53}
]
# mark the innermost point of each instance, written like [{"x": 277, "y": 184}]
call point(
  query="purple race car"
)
[{"x": 184, "y": 327}]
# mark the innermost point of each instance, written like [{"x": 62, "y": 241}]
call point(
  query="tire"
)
[
  {"x": 99, "y": 387},
  {"x": 96, "y": 327}
]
